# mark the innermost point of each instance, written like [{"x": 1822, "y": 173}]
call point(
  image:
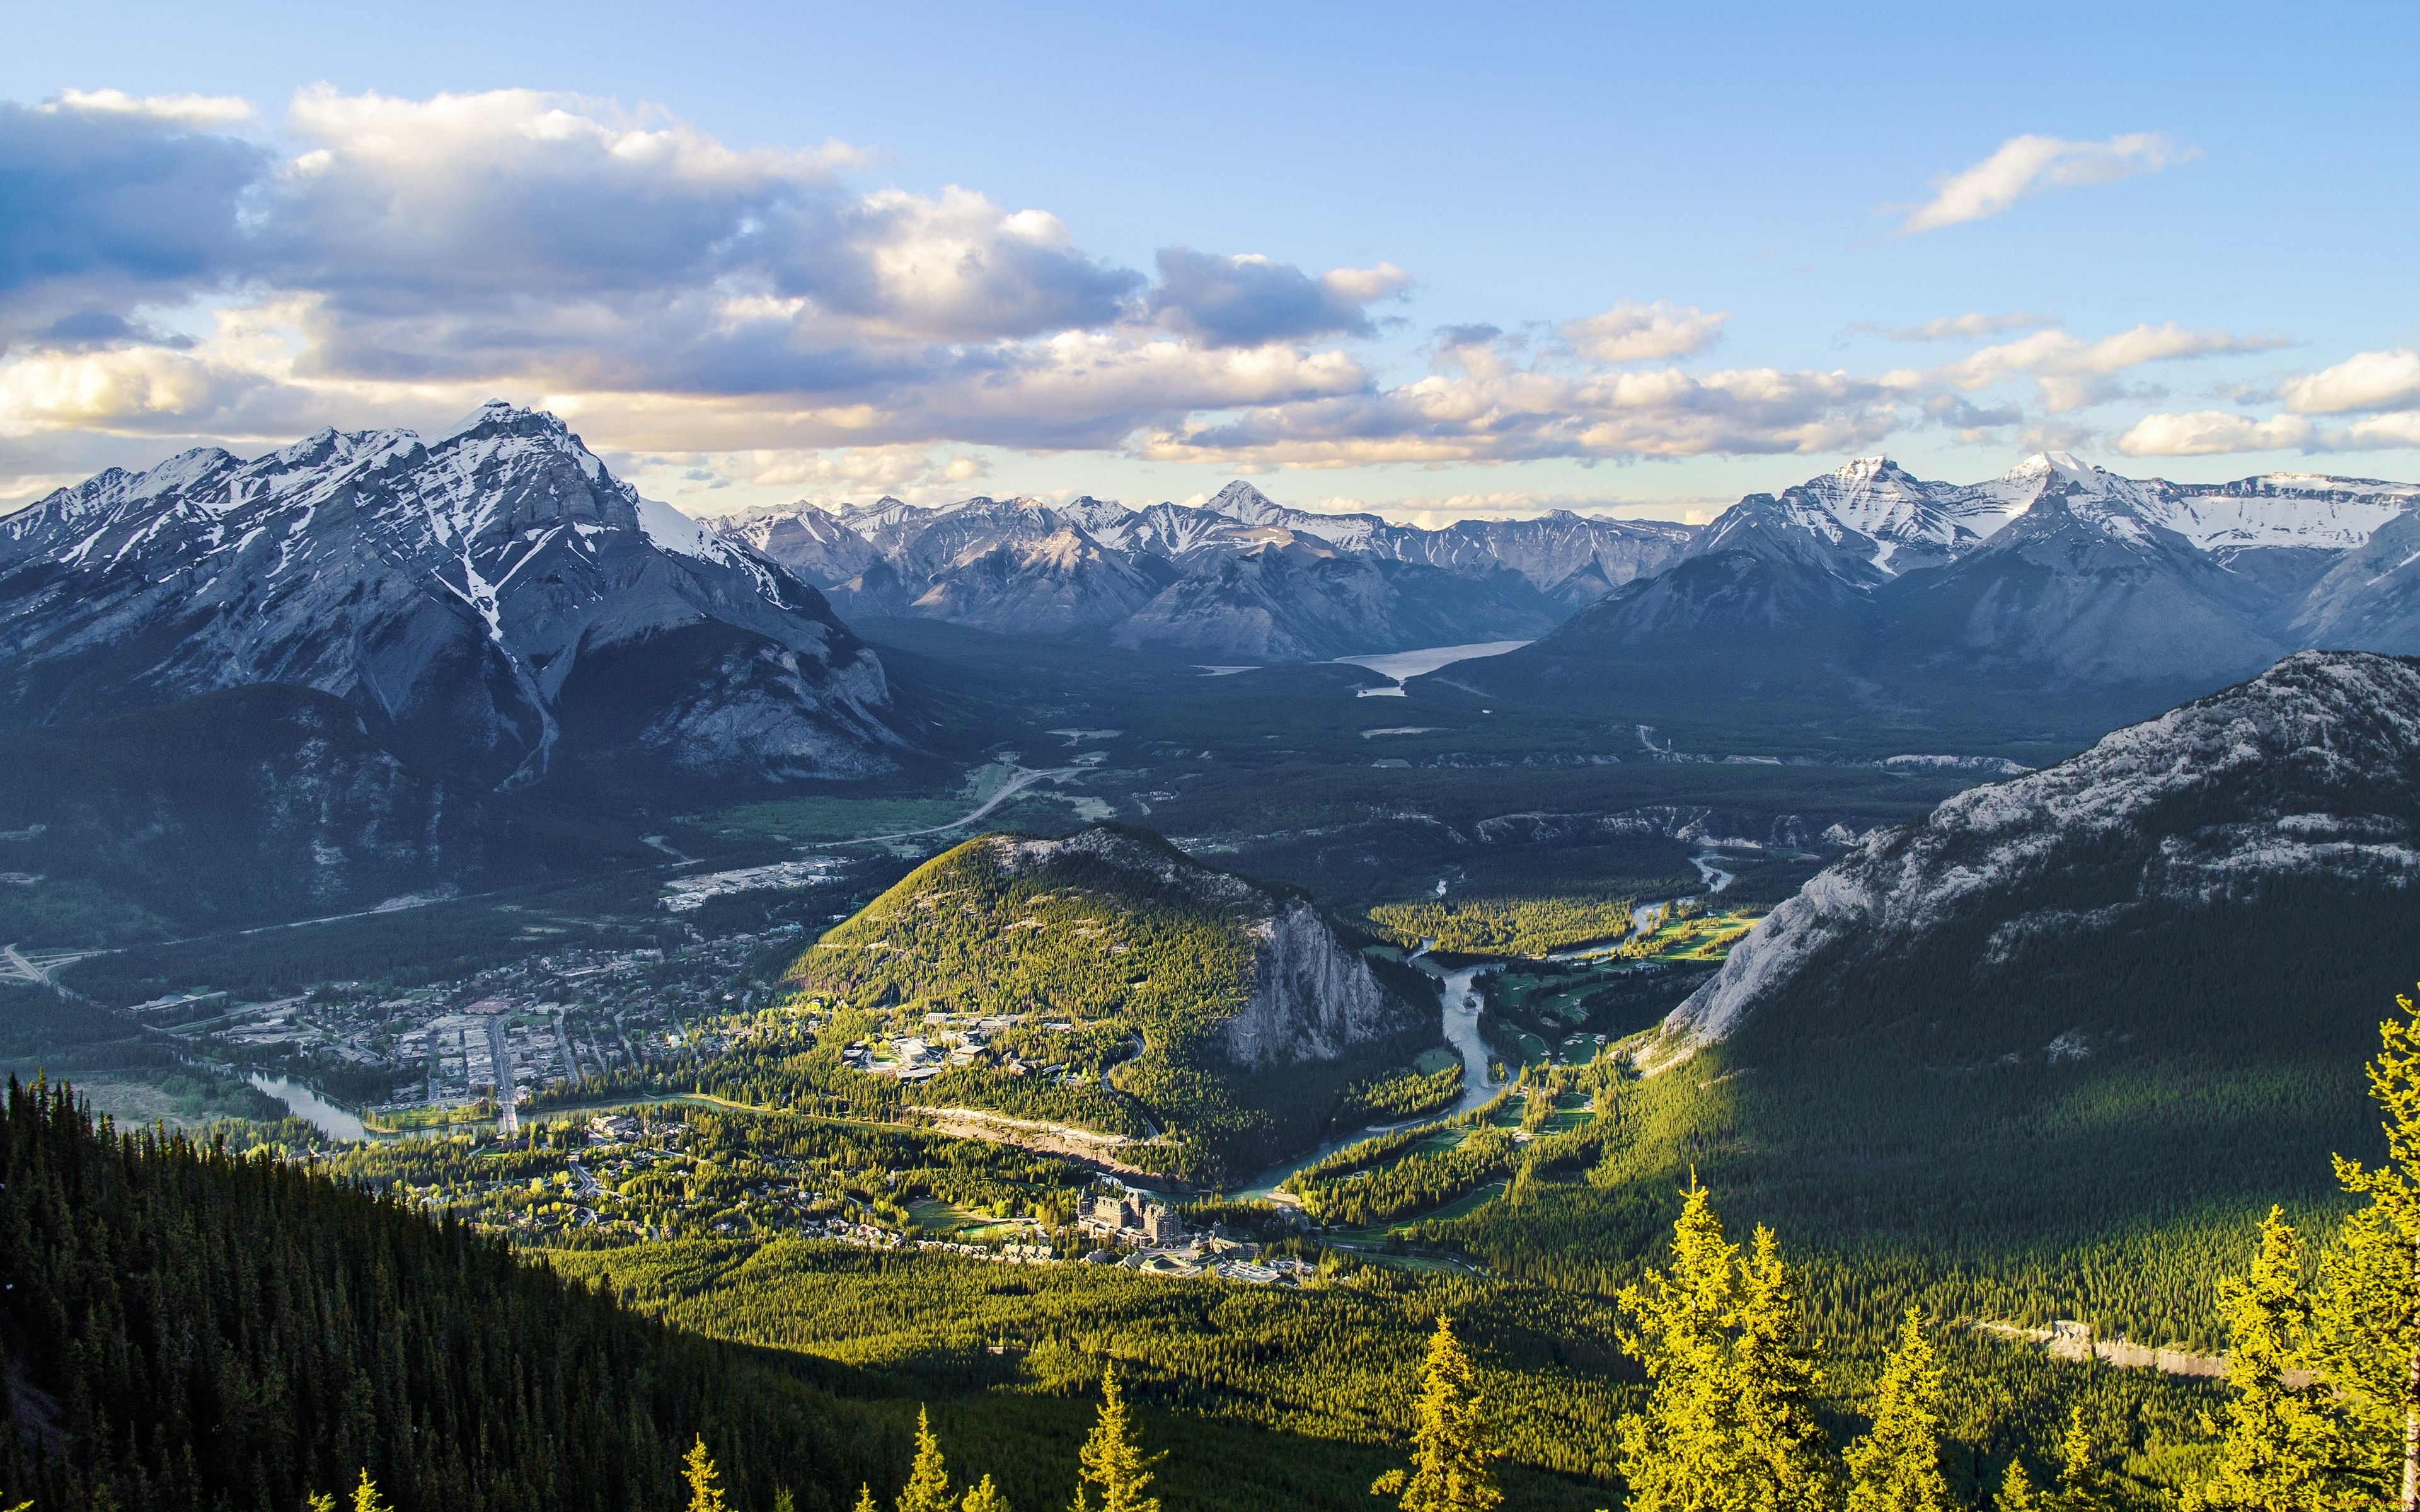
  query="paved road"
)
[{"x": 20, "y": 969}]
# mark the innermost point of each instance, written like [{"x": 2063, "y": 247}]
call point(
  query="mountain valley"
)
[{"x": 807, "y": 926}]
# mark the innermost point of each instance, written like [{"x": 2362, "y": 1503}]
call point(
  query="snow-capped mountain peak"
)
[{"x": 474, "y": 596}]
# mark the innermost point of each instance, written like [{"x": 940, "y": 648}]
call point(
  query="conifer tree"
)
[
  {"x": 1775, "y": 1375},
  {"x": 928, "y": 1479},
  {"x": 2369, "y": 1316},
  {"x": 2282, "y": 1447},
  {"x": 1111, "y": 1460},
  {"x": 865, "y": 1499},
  {"x": 1897, "y": 1466},
  {"x": 1450, "y": 1449},
  {"x": 783, "y": 1501},
  {"x": 366, "y": 1496},
  {"x": 984, "y": 1497},
  {"x": 1682, "y": 1453},
  {"x": 2016, "y": 1492},
  {"x": 1729, "y": 1420},
  {"x": 312, "y": 1502},
  {"x": 697, "y": 1468},
  {"x": 2085, "y": 1485}
]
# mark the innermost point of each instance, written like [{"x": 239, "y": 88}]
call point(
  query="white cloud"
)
[
  {"x": 675, "y": 296},
  {"x": 1966, "y": 327},
  {"x": 193, "y": 111},
  {"x": 2073, "y": 372},
  {"x": 1631, "y": 332},
  {"x": 2031, "y": 164},
  {"x": 1483, "y": 405},
  {"x": 2380, "y": 432},
  {"x": 2212, "y": 433},
  {"x": 2367, "y": 380}
]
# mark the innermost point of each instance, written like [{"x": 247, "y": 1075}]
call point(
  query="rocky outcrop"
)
[
  {"x": 2309, "y": 772},
  {"x": 1311, "y": 999},
  {"x": 1309, "y": 996}
]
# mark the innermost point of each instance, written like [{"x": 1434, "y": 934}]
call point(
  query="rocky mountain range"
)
[
  {"x": 2058, "y": 574},
  {"x": 1879, "y": 586},
  {"x": 494, "y": 604},
  {"x": 1236, "y": 579},
  {"x": 2295, "y": 793}
]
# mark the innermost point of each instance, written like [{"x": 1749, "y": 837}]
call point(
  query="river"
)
[
  {"x": 304, "y": 1103},
  {"x": 1479, "y": 1083}
]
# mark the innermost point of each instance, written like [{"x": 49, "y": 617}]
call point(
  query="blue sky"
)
[{"x": 1432, "y": 259}]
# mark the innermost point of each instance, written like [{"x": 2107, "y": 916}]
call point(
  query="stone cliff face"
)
[
  {"x": 2308, "y": 773},
  {"x": 1311, "y": 999}
]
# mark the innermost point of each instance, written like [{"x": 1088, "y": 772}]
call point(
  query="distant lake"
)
[
  {"x": 1401, "y": 664},
  {"x": 304, "y": 1103}
]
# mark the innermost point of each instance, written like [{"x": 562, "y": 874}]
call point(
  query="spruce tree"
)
[
  {"x": 1450, "y": 1449},
  {"x": 2282, "y": 1447},
  {"x": 984, "y": 1497},
  {"x": 1111, "y": 1460},
  {"x": 928, "y": 1479},
  {"x": 2369, "y": 1316},
  {"x": 2085, "y": 1485},
  {"x": 1774, "y": 1376},
  {"x": 1682, "y": 1453},
  {"x": 1897, "y": 1466},
  {"x": 2017, "y": 1493},
  {"x": 697, "y": 1468}
]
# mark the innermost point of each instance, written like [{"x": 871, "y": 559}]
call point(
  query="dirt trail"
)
[{"x": 1088, "y": 1145}]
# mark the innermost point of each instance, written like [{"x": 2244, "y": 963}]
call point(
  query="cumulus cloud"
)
[
  {"x": 1631, "y": 332},
  {"x": 102, "y": 210},
  {"x": 1248, "y": 299},
  {"x": 2033, "y": 164},
  {"x": 1485, "y": 403},
  {"x": 169, "y": 268},
  {"x": 2073, "y": 373},
  {"x": 2211, "y": 433},
  {"x": 2367, "y": 380}
]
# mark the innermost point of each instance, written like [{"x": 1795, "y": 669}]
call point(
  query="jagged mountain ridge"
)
[
  {"x": 2309, "y": 773},
  {"x": 1818, "y": 571},
  {"x": 493, "y": 601},
  {"x": 1873, "y": 586},
  {"x": 1238, "y": 578}
]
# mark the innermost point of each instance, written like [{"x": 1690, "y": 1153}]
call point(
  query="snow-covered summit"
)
[{"x": 467, "y": 591}]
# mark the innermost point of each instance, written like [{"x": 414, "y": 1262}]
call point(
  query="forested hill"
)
[
  {"x": 182, "y": 1329},
  {"x": 1245, "y": 1008}
]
